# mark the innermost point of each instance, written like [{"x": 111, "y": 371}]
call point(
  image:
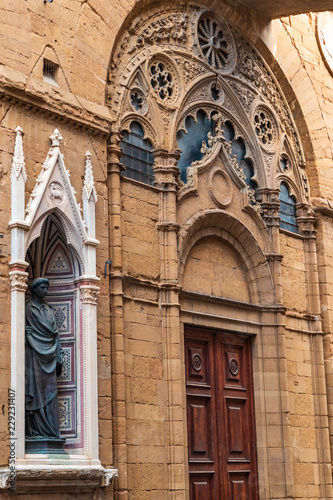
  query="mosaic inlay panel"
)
[
  {"x": 63, "y": 315},
  {"x": 67, "y": 376},
  {"x": 59, "y": 263},
  {"x": 66, "y": 412}
]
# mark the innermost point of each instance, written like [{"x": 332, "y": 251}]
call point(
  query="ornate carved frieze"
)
[
  {"x": 244, "y": 94},
  {"x": 172, "y": 27},
  {"x": 190, "y": 70}
]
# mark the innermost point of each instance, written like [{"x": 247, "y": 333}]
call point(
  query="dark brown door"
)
[{"x": 220, "y": 416}]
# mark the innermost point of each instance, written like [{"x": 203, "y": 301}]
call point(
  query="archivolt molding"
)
[
  {"x": 222, "y": 225},
  {"x": 150, "y": 132},
  {"x": 293, "y": 188}
]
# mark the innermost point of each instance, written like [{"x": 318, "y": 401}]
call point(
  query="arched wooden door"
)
[{"x": 220, "y": 416}]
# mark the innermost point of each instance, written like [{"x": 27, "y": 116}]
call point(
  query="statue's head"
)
[{"x": 39, "y": 287}]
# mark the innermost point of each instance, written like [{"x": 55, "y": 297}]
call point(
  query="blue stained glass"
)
[
  {"x": 288, "y": 219},
  {"x": 191, "y": 143}
]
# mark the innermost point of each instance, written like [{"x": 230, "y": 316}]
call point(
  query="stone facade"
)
[{"x": 206, "y": 251}]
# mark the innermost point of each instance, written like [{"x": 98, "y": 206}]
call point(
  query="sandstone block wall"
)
[{"x": 292, "y": 364}]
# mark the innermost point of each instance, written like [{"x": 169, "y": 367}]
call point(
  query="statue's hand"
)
[{"x": 28, "y": 330}]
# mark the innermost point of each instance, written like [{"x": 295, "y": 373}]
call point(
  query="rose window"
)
[
  {"x": 215, "y": 43},
  {"x": 265, "y": 127},
  {"x": 161, "y": 80}
]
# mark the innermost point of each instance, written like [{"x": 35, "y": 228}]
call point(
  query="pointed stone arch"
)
[{"x": 223, "y": 226}]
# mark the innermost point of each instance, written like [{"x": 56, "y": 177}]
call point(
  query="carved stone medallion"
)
[
  {"x": 220, "y": 187},
  {"x": 56, "y": 192}
]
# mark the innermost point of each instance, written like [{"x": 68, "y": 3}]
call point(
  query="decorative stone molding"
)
[
  {"x": 64, "y": 479},
  {"x": 167, "y": 226},
  {"x": 209, "y": 46}
]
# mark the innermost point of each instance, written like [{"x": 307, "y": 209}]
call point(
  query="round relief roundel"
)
[{"x": 216, "y": 43}]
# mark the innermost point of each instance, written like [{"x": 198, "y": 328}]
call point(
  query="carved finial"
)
[
  {"x": 55, "y": 138},
  {"x": 89, "y": 185},
  {"x": 18, "y": 164}
]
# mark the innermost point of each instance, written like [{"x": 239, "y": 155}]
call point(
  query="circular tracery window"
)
[
  {"x": 161, "y": 80},
  {"x": 215, "y": 42},
  {"x": 138, "y": 100},
  {"x": 265, "y": 127}
]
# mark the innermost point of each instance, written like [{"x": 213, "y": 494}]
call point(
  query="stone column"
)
[
  {"x": 166, "y": 180},
  {"x": 18, "y": 286},
  {"x": 89, "y": 293}
]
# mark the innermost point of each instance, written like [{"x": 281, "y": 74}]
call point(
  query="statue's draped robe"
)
[{"x": 41, "y": 355}]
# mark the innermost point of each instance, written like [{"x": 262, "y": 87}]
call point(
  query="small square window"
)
[{"x": 50, "y": 70}]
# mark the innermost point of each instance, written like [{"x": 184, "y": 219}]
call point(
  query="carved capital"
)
[
  {"x": 115, "y": 152},
  {"x": 270, "y": 206},
  {"x": 89, "y": 294},
  {"x": 306, "y": 220},
  {"x": 165, "y": 169},
  {"x": 18, "y": 281}
]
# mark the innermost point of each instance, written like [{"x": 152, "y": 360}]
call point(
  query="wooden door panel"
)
[
  {"x": 200, "y": 428},
  {"x": 220, "y": 416},
  {"x": 237, "y": 435},
  {"x": 239, "y": 486},
  {"x": 202, "y": 487}
]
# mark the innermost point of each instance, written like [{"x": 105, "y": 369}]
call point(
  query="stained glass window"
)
[
  {"x": 287, "y": 209},
  {"x": 137, "y": 157}
]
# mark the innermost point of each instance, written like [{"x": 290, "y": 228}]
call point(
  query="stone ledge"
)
[{"x": 59, "y": 478}]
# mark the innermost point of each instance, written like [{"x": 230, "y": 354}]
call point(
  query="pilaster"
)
[
  {"x": 166, "y": 180},
  {"x": 117, "y": 312}
]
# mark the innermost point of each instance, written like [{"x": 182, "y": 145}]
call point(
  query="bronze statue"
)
[{"x": 43, "y": 359}]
